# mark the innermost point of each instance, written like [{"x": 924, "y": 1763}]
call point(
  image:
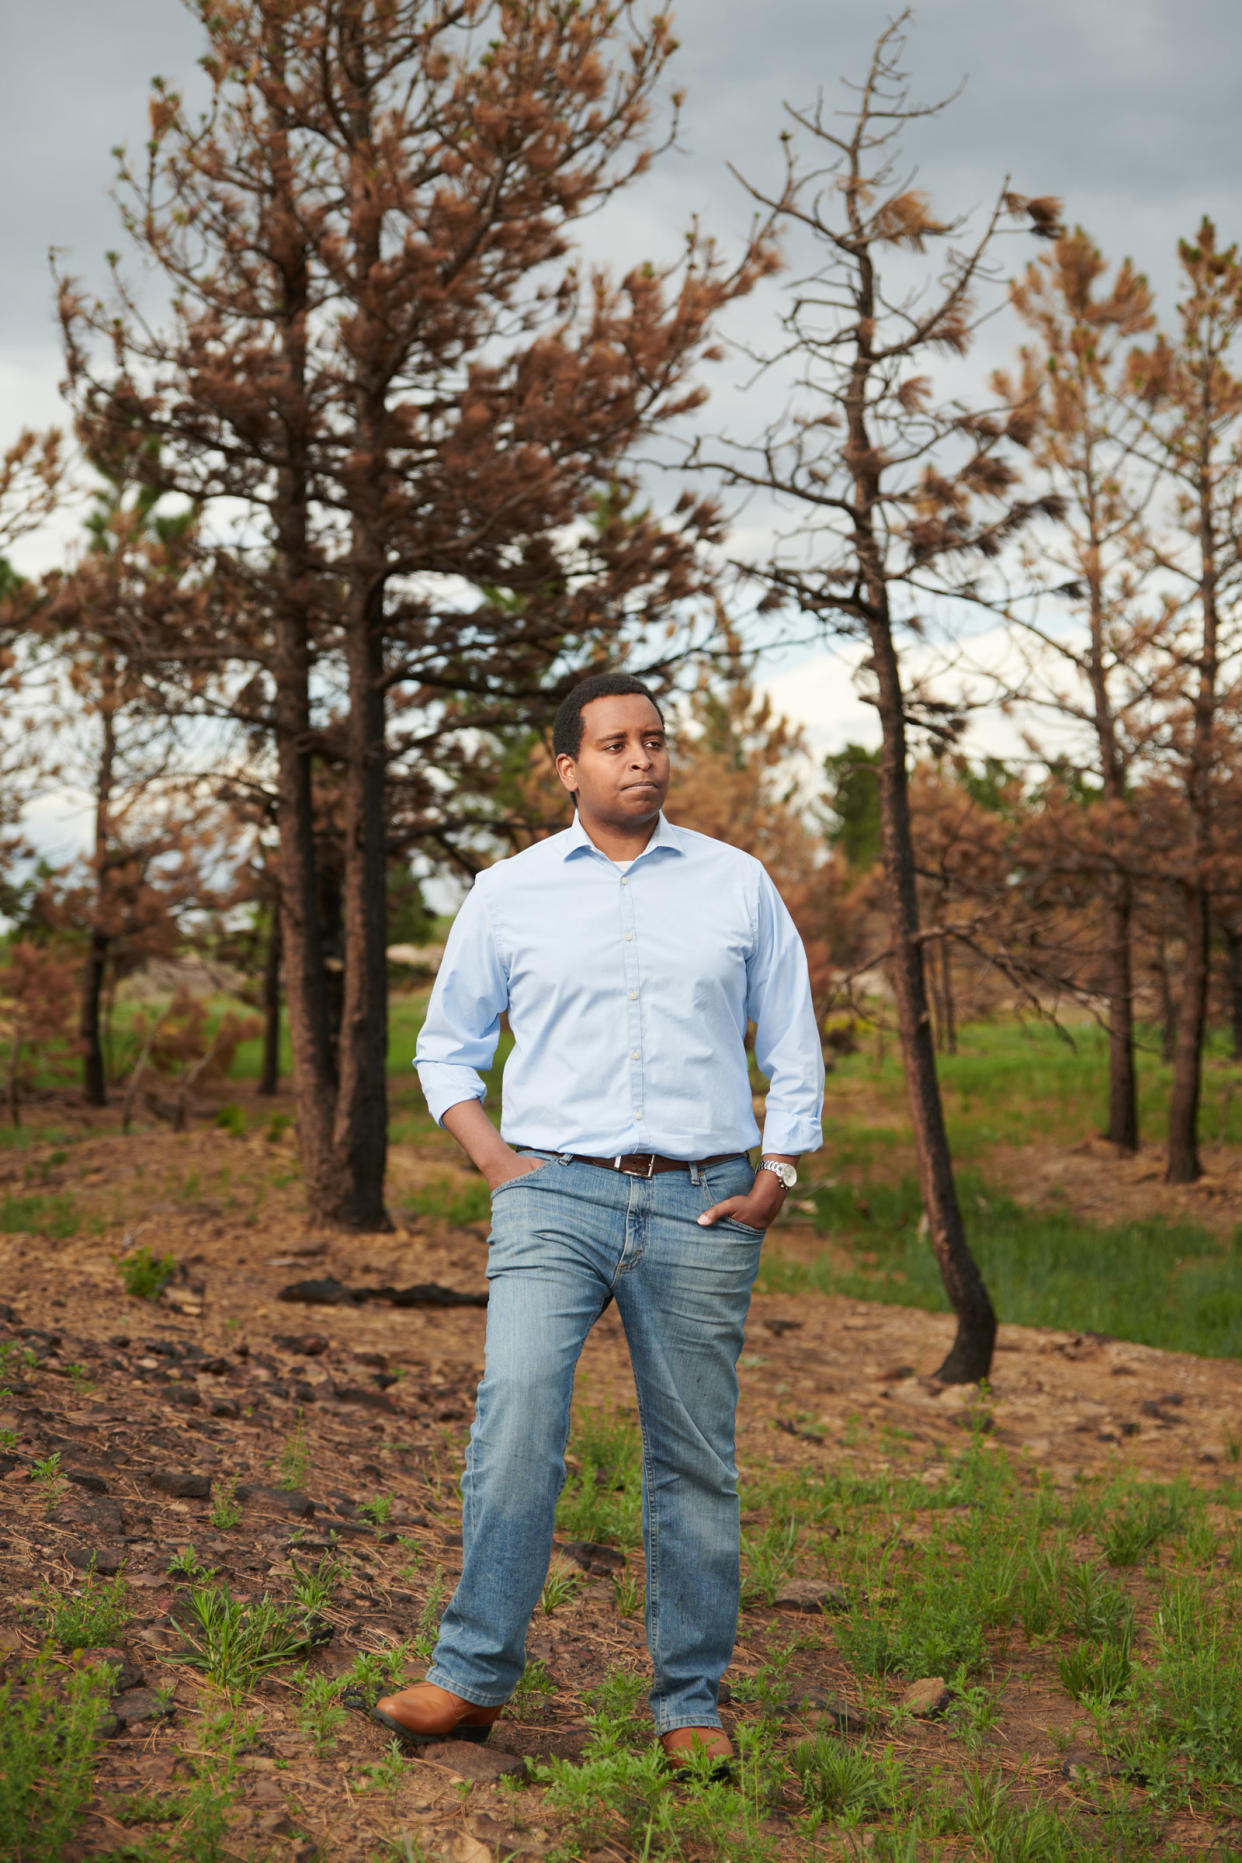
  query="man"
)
[{"x": 629, "y": 955}]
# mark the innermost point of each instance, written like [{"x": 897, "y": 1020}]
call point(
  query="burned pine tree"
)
[
  {"x": 898, "y": 493},
  {"x": 380, "y": 348}
]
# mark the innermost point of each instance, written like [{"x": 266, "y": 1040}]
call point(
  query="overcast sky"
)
[{"x": 1126, "y": 108}]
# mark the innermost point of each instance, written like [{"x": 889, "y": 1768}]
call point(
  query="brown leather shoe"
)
[
  {"x": 706, "y": 1742},
  {"x": 424, "y": 1713}
]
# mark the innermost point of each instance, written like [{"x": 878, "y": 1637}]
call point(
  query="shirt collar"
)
[{"x": 666, "y": 837}]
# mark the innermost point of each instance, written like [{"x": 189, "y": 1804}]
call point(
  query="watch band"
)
[{"x": 779, "y": 1168}]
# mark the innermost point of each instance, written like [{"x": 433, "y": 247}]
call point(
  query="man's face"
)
[{"x": 621, "y": 771}]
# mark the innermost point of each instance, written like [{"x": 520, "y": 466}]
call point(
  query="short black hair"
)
[{"x": 567, "y": 727}]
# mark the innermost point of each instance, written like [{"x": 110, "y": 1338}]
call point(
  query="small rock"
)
[
  {"x": 141, "y": 1704},
  {"x": 827, "y": 1707},
  {"x": 106, "y": 1560},
  {"x": 276, "y": 1500},
  {"x": 1080, "y": 1765},
  {"x": 129, "y": 1675},
  {"x": 223, "y": 1407},
  {"x": 810, "y": 1594},
  {"x": 592, "y": 1557},
  {"x": 482, "y": 1765},
  {"x": 364, "y": 1395},
  {"x": 185, "y": 1396},
  {"x": 180, "y": 1484},
  {"x": 927, "y": 1698},
  {"x": 96, "y": 1514},
  {"x": 305, "y": 1345},
  {"x": 327, "y": 1292},
  {"x": 85, "y": 1478}
]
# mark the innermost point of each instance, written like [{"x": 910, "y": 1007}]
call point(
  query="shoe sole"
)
[
  {"x": 410, "y": 1737},
  {"x": 724, "y": 1772}
]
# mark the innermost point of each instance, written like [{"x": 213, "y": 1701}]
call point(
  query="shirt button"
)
[
  {"x": 624, "y": 881},
  {"x": 637, "y": 1117},
  {"x": 634, "y": 1054},
  {"x": 629, "y": 937},
  {"x": 633, "y": 996}
]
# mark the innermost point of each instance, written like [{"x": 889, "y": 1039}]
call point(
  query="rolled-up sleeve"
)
[
  {"x": 463, "y": 1018},
  {"x": 787, "y": 1044}
]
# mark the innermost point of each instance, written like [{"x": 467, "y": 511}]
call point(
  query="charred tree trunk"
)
[
  {"x": 1123, "y": 1126},
  {"x": 1184, "y": 1165},
  {"x": 94, "y": 1071},
  {"x": 1233, "y": 949},
  {"x": 970, "y": 1357},
  {"x": 314, "y": 1078},
  {"x": 314, "y": 1075},
  {"x": 269, "y": 1078},
  {"x": 361, "y": 1130}
]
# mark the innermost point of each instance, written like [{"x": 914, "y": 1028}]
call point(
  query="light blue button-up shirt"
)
[{"x": 628, "y": 992}]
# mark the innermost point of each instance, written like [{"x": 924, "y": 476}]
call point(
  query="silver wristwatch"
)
[{"x": 785, "y": 1172}]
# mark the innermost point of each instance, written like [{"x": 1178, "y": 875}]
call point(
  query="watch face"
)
[{"x": 786, "y": 1172}]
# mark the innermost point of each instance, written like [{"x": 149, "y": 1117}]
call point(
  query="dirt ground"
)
[{"x": 220, "y": 1375}]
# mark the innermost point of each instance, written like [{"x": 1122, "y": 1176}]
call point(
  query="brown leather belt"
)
[{"x": 650, "y": 1164}]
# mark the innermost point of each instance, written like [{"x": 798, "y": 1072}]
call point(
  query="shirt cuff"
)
[
  {"x": 791, "y": 1134},
  {"x": 446, "y": 1084}
]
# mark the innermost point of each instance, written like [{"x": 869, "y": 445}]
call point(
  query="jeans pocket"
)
[{"x": 524, "y": 1177}]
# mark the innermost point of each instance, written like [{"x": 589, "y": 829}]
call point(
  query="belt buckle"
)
[{"x": 624, "y": 1169}]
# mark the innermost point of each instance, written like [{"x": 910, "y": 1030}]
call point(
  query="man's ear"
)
[{"x": 567, "y": 771}]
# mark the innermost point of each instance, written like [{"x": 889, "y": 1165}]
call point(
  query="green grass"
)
[
  {"x": 602, "y": 1499},
  {"x": 54, "y": 1214},
  {"x": 95, "y": 1619},
  {"x": 1172, "y": 1285},
  {"x": 234, "y": 1643},
  {"x": 145, "y": 1275},
  {"x": 447, "y": 1201},
  {"x": 1008, "y": 1077},
  {"x": 49, "y": 1737}
]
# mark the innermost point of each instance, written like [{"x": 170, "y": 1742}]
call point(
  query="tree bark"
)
[
  {"x": 970, "y": 1357},
  {"x": 314, "y": 1080},
  {"x": 1123, "y": 1126},
  {"x": 314, "y": 1071},
  {"x": 360, "y": 1134},
  {"x": 1184, "y": 1166},
  {"x": 269, "y": 1078},
  {"x": 94, "y": 1072},
  {"x": 1233, "y": 948}
]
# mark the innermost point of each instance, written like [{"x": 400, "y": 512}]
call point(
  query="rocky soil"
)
[{"x": 305, "y": 1415}]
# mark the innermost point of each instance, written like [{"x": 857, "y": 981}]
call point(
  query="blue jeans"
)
[{"x": 565, "y": 1238}]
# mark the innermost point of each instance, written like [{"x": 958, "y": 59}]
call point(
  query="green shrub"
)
[
  {"x": 49, "y": 1737},
  {"x": 145, "y": 1275},
  {"x": 95, "y": 1619}
]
